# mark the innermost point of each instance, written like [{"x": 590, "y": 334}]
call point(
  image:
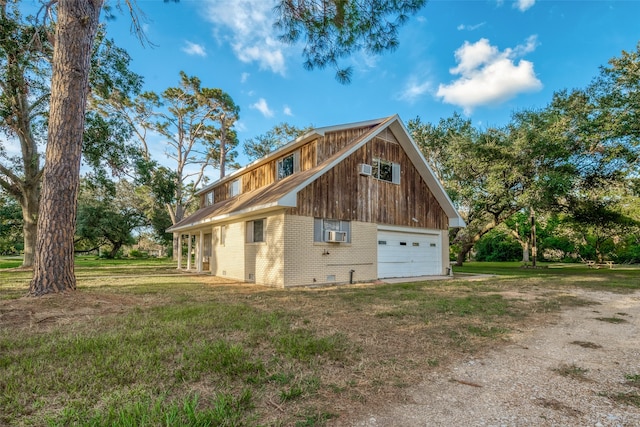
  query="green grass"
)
[
  {"x": 225, "y": 409},
  {"x": 141, "y": 344},
  {"x": 620, "y": 278},
  {"x": 160, "y": 350},
  {"x": 10, "y": 262}
]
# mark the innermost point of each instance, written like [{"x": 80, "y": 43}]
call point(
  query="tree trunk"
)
[
  {"x": 223, "y": 148},
  {"x": 29, "y": 203},
  {"x": 176, "y": 214},
  {"x": 524, "y": 244},
  {"x": 534, "y": 244},
  {"x": 462, "y": 255},
  {"x": 469, "y": 241},
  {"x": 525, "y": 252},
  {"x": 176, "y": 251},
  {"x": 75, "y": 31},
  {"x": 114, "y": 250}
]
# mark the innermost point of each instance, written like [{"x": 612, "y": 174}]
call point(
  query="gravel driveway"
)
[{"x": 574, "y": 372}]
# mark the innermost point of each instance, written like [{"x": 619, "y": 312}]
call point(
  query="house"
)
[{"x": 348, "y": 203}]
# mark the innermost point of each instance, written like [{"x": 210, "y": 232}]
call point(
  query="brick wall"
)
[
  {"x": 264, "y": 261},
  {"x": 228, "y": 258},
  {"x": 308, "y": 262}
]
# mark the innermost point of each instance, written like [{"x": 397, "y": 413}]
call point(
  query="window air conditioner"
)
[
  {"x": 336, "y": 236},
  {"x": 364, "y": 169}
]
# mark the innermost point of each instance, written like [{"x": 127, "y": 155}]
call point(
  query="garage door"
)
[{"x": 408, "y": 254}]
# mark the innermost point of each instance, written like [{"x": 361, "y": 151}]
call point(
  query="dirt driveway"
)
[{"x": 581, "y": 370}]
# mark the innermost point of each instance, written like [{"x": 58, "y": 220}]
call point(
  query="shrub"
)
[{"x": 498, "y": 246}]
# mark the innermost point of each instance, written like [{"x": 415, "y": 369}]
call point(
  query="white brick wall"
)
[
  {"x": 289, "y": 256},
  {"x": 265, "y": 260},
  {"x": 308, "y": 262},
  {"x": 228, "y": 259}
]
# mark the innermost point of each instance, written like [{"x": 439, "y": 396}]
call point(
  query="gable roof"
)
[{"x": 282, "y": 194}]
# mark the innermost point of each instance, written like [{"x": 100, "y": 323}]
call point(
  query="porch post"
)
[
  {"x": 213, "y": 248},
  {"x": 179, "y": 251},
  {"x": 200, "y": 251},
  {"x": 189, "y": 244}
]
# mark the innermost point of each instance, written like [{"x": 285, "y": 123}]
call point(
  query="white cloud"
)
[
  {"x": 287, "y": 111},
  {"x": 247, "y": 25},
  {"x": 523, "y": 5},
  {"x": 240, "y": 126},
  {"x": 194, "y": 49},
  {"x": 488, "y": 76},
  {"x": 365, "y": 61},
  {"x": 244, "y": 77},
  {"x": 263, "y": 107},
  {"x": 414, "y": 89},
  {"x": 470, "y": 27}
]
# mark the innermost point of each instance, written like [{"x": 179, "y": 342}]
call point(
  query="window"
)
[
  {"x": 385, "y": 170},
  {"x": 255, "y": 231},
  {"x": 234, "y": 188},
  {"x": 223, "y": 234},
  {"x": 322, "y": 228},
  {"x": 287, "y": 166},
  {"x": 208, "y": 198}
]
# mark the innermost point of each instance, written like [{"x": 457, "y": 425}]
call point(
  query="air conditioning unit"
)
[
  {"x": 336, "y": 236},
  {"x": 364, "y": 169}
]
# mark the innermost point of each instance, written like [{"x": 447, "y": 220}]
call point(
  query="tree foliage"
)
[
  {"x": 108, "y": 216},
  {"x": 196, "y": 123},
  {"x": 477, "y": 170},
  {"x": 10, "y": 226},
  {"x": 25, "y": 75},
  {"x": 261, "y": 145},
  {"x": 25, "y": 72},
  {"x": 334, "y": 29},
  {"x": 573, "y": 157}
]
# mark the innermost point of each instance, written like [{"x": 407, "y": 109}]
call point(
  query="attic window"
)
[
  {"x": 234, "y": 188},
  {"x": 208, "y": 198},
  {"x": 385, "y": 170},
  {"x": 287, "y": 165}
]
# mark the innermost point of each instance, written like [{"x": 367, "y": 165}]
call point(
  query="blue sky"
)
[{"x": 483, "y": 58}]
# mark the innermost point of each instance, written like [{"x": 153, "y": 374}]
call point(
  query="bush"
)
[
  {"x": 628, "y": 250},
  {"x": 498, "y": 246},
  {"x": 134, "y": 253}
]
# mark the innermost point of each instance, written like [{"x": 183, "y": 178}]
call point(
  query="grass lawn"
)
[{"x": 141, "y": 344}]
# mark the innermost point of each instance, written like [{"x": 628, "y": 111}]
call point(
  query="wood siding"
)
[
  {"x": 310, "y": 155},
  {"x": 333, "y": 142},
  {"x": 259, "y": 177},
  {"x": 342, "y": 193}
]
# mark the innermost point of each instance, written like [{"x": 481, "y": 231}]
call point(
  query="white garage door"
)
[{"x": 408, "y": 254}]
